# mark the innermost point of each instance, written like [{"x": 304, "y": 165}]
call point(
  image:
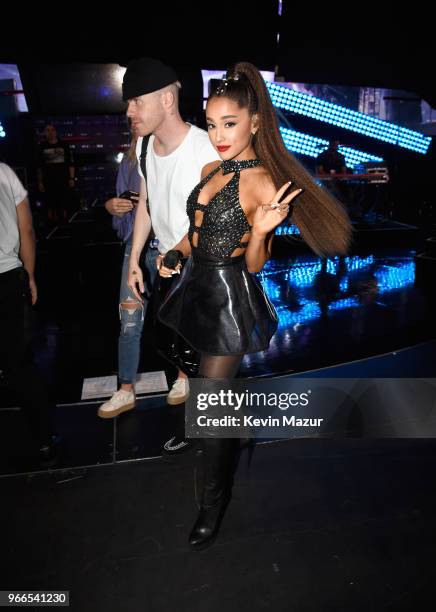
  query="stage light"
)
[
  {"x": 344, "y": 303},
  {"x": 301, "y": 276},
  {"x": 118, "y": 74},
  {"x": 309, "y": 310},
  {"x": 391, "y": 278},
  {"x": 327, "y": 112},
  {"x": 305, "y": 144},
  {"x": 358, "y": 263}
]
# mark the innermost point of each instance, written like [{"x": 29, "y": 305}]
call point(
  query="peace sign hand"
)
[{"x": 268, "y": 216}]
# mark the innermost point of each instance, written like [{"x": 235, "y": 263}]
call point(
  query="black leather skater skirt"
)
[{"x": 219, "y": 308}]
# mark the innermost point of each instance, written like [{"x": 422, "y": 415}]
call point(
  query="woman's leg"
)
[
  {"x": 220, "y": 457},
  {"x": 217, "y": 366}
]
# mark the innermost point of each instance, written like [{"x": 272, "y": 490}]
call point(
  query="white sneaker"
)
[
  {"x": 119, "y": 402},
  {"x": 179, "y": 392}
]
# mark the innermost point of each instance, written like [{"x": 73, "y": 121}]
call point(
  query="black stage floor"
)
[
  {"x": 87, "y": 440},
  {"x": 314, "y": 525}
]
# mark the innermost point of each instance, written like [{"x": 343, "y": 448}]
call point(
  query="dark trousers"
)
[
  {"x": 58, "y": 200},
  {"x": 16, "y": 357}
]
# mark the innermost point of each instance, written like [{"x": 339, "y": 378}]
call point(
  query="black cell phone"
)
[{"x": 133, "y": 196}]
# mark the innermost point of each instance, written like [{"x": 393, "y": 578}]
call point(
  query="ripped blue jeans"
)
[{"x": 132, "y": 319}]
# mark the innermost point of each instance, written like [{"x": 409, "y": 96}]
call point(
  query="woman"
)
[{"x": 217, "y": 305}]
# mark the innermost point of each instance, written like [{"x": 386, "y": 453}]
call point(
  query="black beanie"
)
[{"x": 146, "y": 75}]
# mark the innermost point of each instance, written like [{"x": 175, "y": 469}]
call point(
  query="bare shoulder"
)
[
  {"x": 259, "y": 186},
  {"x": 209, "y": 167}
]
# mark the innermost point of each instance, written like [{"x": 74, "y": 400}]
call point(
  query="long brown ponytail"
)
[{"x": 322, "y": 220}]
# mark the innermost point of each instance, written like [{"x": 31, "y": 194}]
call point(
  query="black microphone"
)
[{"x": 172, "y": 258}]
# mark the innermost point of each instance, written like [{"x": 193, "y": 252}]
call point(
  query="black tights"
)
[
  {"x": 219, "y": 366},
  {"x": 220, "y": 455}
]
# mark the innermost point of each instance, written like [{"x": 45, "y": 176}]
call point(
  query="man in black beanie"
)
[
  {"x": 175, "y": 156},
  {"x": 147, "y": 75}
]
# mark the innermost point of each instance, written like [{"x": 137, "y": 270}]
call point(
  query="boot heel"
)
[
  {"x": 207, "y": 525},
  {"x": 219, "y": 461}
]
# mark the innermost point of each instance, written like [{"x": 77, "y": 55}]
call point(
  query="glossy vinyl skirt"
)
[{"x": 219, "y": 308}]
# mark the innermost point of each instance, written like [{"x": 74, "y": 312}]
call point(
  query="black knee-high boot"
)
[{"x": 220, "y": 457}]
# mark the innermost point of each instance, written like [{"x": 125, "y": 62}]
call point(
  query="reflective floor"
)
[
  {"x": 341, "y": 309},
  {"x": 330, "y": 312}
]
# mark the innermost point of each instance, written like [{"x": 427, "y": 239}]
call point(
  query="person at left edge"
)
[{"x": 18, "y": 293}]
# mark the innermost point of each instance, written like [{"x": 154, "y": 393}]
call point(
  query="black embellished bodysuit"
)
[
  {"x": 224, "y": 221},
  {"x": 217, "y": 306}
]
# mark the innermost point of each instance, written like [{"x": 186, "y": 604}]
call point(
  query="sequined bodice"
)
[{"x": 224, "y": 222}]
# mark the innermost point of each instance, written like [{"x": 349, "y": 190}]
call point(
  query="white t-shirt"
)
[
  {"x": 170, "y": 180},
  {"x": 12, "y": 193}
]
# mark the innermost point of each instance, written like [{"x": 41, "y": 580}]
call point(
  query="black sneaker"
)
[{"x": 178, "y": 445}]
